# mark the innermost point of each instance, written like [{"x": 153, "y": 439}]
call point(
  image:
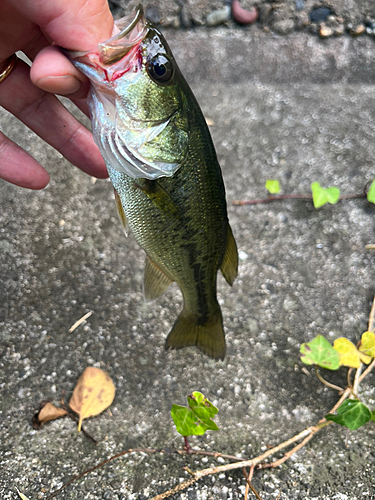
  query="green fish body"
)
[{"x": 168, "y": 183}]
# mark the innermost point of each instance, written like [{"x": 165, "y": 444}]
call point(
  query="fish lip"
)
[
  {"x": 132, "y": 30},
  {"x": 119, "y": 45}
]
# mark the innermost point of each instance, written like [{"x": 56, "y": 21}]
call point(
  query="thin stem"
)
[
  {"x": 187, "y": 445},
  {"x": 248, "y": 478},
  {"x": 370, "y": 367},
  {"x": 281, "y": 197},
  {"x": 371, "y": 319},
  {"x": 348, "y": 377},
  {"x": 356, "y": 381},
  {"x": 328, "y": 384}
]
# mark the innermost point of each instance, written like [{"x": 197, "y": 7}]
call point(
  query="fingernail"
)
[{"x": 64, "y": 84}]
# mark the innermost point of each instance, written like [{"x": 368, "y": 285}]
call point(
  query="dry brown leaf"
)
[
  {"x": 93, "y": 393},
  {"x": 47, "y": 413}
]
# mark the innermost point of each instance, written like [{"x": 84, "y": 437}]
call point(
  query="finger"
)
[
  {"x": 48, "y": 118},
  {"x": 72, "y": 24},
  {"x": 16, "y": 31},
  {"x": 53, "y": 72},
  {"x": 19, "y": 168}
]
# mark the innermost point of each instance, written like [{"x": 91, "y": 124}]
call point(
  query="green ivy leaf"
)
[
  {"x": 203, "y": 409},
  {"x": 352, "y": 414},
  {"x": 320, "y": 352},
  {"x": 195, "y": 420},
  {"x": 273, "y": 186},
  {"x": 322, "y": 196},
  {"x": 373, "y": 416},
  {"x": 371, "y": 192}
]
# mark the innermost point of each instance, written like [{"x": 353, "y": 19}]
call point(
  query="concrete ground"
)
[{"x": 293, "y": 108}]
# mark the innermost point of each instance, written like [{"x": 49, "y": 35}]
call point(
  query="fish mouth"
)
[
  {"x": 118, "y": 55},
  {"x": 132, "y": 31}
]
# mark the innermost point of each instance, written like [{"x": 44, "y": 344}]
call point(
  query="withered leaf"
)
[
  {"x": 93, "y": 393},
  {"x": 47, "y": 412}
]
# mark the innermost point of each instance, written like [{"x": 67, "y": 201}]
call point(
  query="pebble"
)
[
  {"x": 325, "y": 31},
  {"x": 289, "y": 304},
  {"x": 339, "y": 31},
  {"x": 242, "y": 16},
  {"x": 283, "y": 27},
  {"x": 300, "y": 4},
  {"x": 242, "y": 255},
  {"x": 89, "y": 485},
  {"x": 320, "y": 14},
  {"x": 218, "y": 16},
  {"x": 357, "y": 30},
  {"x": 184, "y": 16},
  {"x": 152, "y": 14},
  {"x": 107, "y": 495}
]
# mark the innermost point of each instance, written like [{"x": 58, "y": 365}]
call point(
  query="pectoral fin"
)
[
  {"x": 229, "y": 266},
  {"x": 121, "y": 213},
  {"x": 159, "y": 196},
  {"x": 155, "y": 281}
]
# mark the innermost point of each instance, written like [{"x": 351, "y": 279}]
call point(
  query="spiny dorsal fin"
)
[
  {"x": 121, "y": 213},
  {"x": 155, "y": 282},
  {"x": 229, "y": 266}
]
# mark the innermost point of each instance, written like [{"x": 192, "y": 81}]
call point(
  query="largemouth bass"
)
[{"x": 163, "y": 166}]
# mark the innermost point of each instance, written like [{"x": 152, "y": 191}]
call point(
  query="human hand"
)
[{"x": 35, "y": 27}]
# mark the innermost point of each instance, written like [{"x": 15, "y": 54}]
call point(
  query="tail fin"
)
[{"x": 208, "y": 337}]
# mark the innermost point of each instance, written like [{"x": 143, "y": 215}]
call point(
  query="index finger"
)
[{"x": 72, "y": 24}]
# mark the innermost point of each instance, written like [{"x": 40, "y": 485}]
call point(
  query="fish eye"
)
[{"x": 160, "y": 69}]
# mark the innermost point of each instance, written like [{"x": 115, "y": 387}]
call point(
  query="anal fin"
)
[
  {"x": 121, "y": 213},
  {"x": 229, "y": 266},
  {"x": 155, "y": 281}
]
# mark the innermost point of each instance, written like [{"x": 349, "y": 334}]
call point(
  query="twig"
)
[
  {"x": 248, "y": 478},
  {"x": 245, "y": 463},
  {"x": 348, "y": 377},
  {"x": 81, "y": 320},
  {"x": 328, "y": 384},
  {"x": 281, "y": 197},
  {"x": 149, "y": 450},
  {"x": 144, "y": 450},
  {"x": 84, "y": 432},
  {"x": 356, "y": 381},
  {"x": 371, "y": 319},
  {"x": 370, "y": 367}
]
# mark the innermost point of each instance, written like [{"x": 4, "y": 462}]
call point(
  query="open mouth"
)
[
  {"x": 120, "y": 54},
  {"x": 132, "y": 30}
]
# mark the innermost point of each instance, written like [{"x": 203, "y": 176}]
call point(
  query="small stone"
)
[
  {"x": 289, "y": 304},
  {"x": 283, "y": 27},
  {"x": 242, "y": 255},
  {"x": 89, "y": 485},
  {"x": 107, "y": 495},
  {"x": 320, "y": 14},
  {"x": 218, "y": 16},
  {"x": 358, "y": 30},
  {"x": 184, "y": 16},
  {"x": 325, "y": 31},
  {"x": 339, "y": 31},
  {"x": 152, "y": 14},
  {"x": 300, "y": 4}
]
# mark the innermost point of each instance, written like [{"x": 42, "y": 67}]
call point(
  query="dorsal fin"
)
[
  {"x": 155, "y": 282},
  {"x": 229, "y": 266}
]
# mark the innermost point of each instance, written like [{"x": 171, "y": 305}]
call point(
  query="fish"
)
[{"x": 161, "y": 160}]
